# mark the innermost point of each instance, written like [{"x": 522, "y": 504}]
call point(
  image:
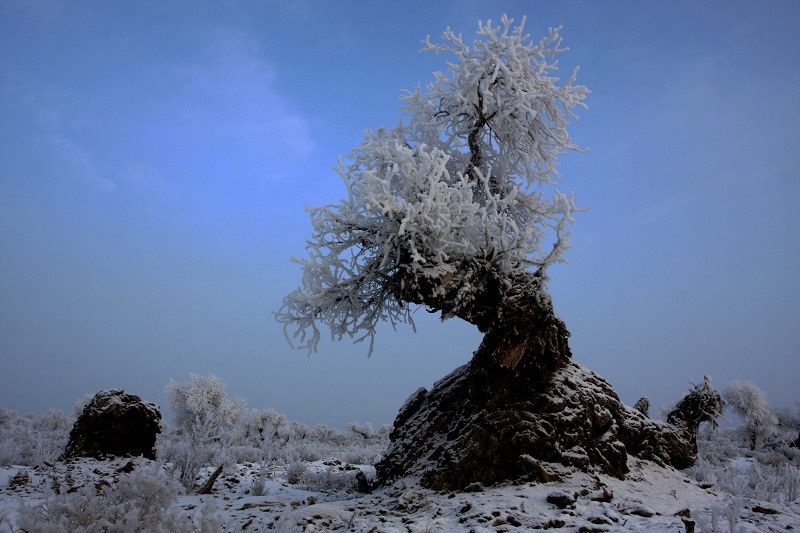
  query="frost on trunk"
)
[{"x": 454, "y": 210}]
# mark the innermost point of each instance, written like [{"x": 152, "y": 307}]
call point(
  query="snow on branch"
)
[{"x": 463, "y": 180}]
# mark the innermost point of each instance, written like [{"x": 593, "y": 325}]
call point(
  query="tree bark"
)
[
  {"x": 208, "y": 486},
  {"x": 521, "y": 409}
]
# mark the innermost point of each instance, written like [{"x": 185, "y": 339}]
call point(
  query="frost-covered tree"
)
[
  {"x": 207, "y": 422},
  {"x": 749, "y": 401},
  {"x": 203, "y": 405},
  {"x": 703, "y": 404},
  {"x": 455, "y": 209}
]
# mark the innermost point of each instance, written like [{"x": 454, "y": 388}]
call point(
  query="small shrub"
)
[
  {"x": 204, "y": 404},
  {"x": 259, "y": 487},
  {"x": 366, "y": 431},
  {"x": 32, "y": 439},
  {"x": 329, "y": 481},
  {"x": 295, "y": 472},
  {"x": 138, "y": 502},
  {"x": 750, "y": 402},
  {"x": 702, "y": 404},
  {"x": 185, "y": 458},
  {"x": 643, "y": 405},
  {"x": 791, "y": 483}
]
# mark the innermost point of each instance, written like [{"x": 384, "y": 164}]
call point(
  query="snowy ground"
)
[{"x": 650, "y": 499}]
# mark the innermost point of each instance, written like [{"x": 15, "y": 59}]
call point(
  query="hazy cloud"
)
[
  {"x": 233, "y": 99},
  {"x": 76, "y": 164},
  {"x": 147, "y": 180}
]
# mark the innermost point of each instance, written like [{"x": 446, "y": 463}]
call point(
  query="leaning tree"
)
[{"x": 456, "y": 210}]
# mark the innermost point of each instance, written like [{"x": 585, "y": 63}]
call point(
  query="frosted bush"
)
[
  {"x": 248, "y": 454},
  {"x": 258, "y": 487},
  {"x": 329, "y": 480},
  {"x": 32, "y": 439},
  {"x": 710, "y": 522},
  {"x": 358, "y": 457},
  {"x": 267, "y": 424},
  {"x": 718, "y": 446},
  {"x": 701, "y": 405},
  {"x": 202, "y": 407},
  {"x": 295, "y": 472},
  {"x": 269, "y": 435},
  {"x": 310, "y": 452},
  {"x": 209, "y": 428},
  {"x": 366, "y": 431},
  {"x": 186, "y": 457},
  {"x": 138, "y": 502},
  {"x": 787, "y": 421},
  {"x": 5, "y": 522},
  {"x": 724, "y": 460},
  {"x": 703, "y": 470},
  {"x": 791, "y": 483},
  {"x": 80, "y": 405},
  {"x": 750, "y": 403}
]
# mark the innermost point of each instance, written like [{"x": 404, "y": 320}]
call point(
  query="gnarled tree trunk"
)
[{"x": 520, "y": 407}]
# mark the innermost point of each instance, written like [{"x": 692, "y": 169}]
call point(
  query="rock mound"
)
[
  {"x": 522, "y": 409},
  {"x": 450, "y": 440},
  {"x": 115, "y": 424}
]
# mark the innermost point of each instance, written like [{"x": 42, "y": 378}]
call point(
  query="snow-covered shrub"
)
[
  {"x": 787, "y": 420},
  {"x": 643, "y": 405},
  {"x": 6, "y": 414},
  {"x": 212, "y": 430},
  {"x": 702, "y": 404},
  {"x": 81, "y": 404},
  {"x": 770, "y": 474},
  {"x": 308, "y": 451},
  {"x": 202, "y": 406},
  {"x": 259, "y": 484},
  {"x": 329, "y": 480},
  {"x": 207, "y": 424},
  {"x": 753, "y": 480},
  {"x": 139, "y": 501},
  {"x": 32, "y": 439},
  {"x": 750, "y": 403},
  {"x": 366, "y": 431},
  {"x": 295, "y": 472},
  {"x": 269, "y": 435},
  {"x": 791, "y": 483},
  {"x": 5, "y": 522},
  {"x": 244, "y": 453},
  {"x": 186, "y": 457},
  {"x": 717, "y": 445}
]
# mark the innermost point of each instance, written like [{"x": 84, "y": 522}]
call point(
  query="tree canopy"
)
[{"x": 454, "y": 203}]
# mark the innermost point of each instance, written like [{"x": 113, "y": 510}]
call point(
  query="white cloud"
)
[{"x": 232, "y": 101}]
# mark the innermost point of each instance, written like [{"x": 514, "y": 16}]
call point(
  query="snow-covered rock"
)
[
  {"x": 115, "y": 424},
  {"x": 521, "y": 409}
]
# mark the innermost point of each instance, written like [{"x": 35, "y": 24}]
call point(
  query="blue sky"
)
[{"x": 156, "y": 159}]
